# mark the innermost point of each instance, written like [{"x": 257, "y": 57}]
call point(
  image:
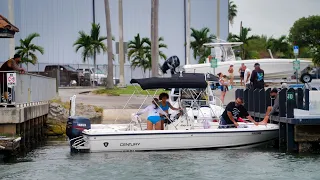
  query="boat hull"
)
[
  {"x": 179, "y": 139},
  {"x": 273, "y": 68}
]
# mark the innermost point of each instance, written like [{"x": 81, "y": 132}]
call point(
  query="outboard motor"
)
[
  {"x": 75, "y": 126},
  {"x": 171, "y": 63}
]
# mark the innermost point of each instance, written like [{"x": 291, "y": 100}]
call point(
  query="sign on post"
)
[
  {"x": 296, "y": 65},
  {"x": 11, "y": 79},
  {"x": 290, "y": 96},
  {"x": 296, "y": 50},
  {"x": 214, "y": 63}
]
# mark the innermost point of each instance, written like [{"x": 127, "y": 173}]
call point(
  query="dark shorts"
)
[
  {"x": 224, "y": 88},
  {"x": 242, "y": 74}
]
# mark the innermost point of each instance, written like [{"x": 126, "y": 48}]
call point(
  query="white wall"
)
[{"x": 58, "y": 23}]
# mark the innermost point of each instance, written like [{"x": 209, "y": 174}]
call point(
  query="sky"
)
[{"x": 272, "y": 17}]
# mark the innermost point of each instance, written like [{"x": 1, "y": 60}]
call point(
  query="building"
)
[{"x": 59, "y": 21}]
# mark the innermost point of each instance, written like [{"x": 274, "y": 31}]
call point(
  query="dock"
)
[
  {"x": 299, "y": 124},
  {"x": 23, "y": 117}
]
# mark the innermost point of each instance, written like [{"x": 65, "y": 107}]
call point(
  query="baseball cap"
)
[
  {"x": 256, "y": 64},
  {"x": 274, "y": 90},
  {"x": 16, "y": 56}
]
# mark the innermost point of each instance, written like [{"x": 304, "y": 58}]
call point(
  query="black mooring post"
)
[
  {"x": 282, "y": 135},
  {"x": 250, "y": 100},
  {"x": 262, "y": 104},
  {"x": 245, "y": 98},
  {"x": 268, "y": 99},
  {"x": 300, "y": 98},
  {"x": 291, "y": 102},
  {"x": 282, "y": 102},
  {"x": 306, "y": 99},
  {"x": 291, "y": 145},
  {"x": 256, "y": 100}
]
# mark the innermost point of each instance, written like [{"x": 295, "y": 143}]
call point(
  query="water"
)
[{"x": 55, "y": 162}]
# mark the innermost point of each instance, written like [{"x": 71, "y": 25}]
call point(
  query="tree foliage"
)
[
  {"x": 232, "y": 12},
  {"x": 28, "y": 50},
  {"x": 243, "y": 37},
  {"x": 201, "y": 37},
  {"x": 139, "y": 52},
  {"x": 305, "y": 32}
]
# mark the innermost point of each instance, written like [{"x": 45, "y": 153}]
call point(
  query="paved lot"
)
[{"x": 115, "y": 102}]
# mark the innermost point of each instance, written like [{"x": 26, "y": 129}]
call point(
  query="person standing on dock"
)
[
  {"x": 9, "y": 65},
  {"x": 231, "y": 75},
  {"x": 247, "y": 75},
  {"x": 241, "y": 71},
  {"x": 233, "y": 111},
  {"x": 257, "y": 77}
]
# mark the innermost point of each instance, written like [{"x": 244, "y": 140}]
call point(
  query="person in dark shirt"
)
[
  {"x": 272, "y": 110},
  {"x": 9, "y": 65},
  {"x": 257, "y": 77},
  {"x": 233, "y": 111}
]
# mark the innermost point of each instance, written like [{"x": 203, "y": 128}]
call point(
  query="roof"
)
[
  {"x": 7, "y": 30},
  {"x": 186, "y": 81}
]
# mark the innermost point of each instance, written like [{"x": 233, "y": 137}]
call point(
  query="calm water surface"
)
[{"x": 55, "y": 162}]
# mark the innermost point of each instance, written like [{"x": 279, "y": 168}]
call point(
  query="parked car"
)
[
  {"x": 99, "y": 78},
  {"x": 67, "y": 74}
]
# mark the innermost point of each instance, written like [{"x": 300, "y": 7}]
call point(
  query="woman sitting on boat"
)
[
  {"x": 154, "y": 120},
  {"x": 165, "y": 105}
]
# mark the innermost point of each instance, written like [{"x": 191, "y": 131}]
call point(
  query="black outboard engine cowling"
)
[
  {"x": 75, "y": 126},
  {"x": 171, "y": 63}
]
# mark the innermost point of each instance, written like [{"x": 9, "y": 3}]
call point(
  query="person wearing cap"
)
[
  {"x": 9, "y": 65},
  {"x": 272, "y": 110},
  {"x": 257, "y": 77}
]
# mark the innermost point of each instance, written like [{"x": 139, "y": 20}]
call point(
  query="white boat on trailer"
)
[{"x": 184, "y": 132}]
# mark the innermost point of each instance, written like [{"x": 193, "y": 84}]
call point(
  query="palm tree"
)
[
  {"x": 243, "y": 37},
  {"x": 91, "y": 44},
  {"x": 139, "y": 52},
  {"x": 201, "y": 37},
  {"x": 121, "y": 52},
  {"x": 279, "y": 45},
  {"x": 27, "y": 50},
  {"x": 110, "y": 83},
  {"x": 232, "y": 11},
  {"x": 154, "y": 37}
]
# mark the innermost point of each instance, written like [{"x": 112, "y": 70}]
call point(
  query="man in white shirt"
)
[{"x": 246, "y": 78}]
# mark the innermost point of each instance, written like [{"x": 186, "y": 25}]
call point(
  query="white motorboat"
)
[
  {"x": 223, "y": 52},
  {"x": 187, "y": 131}
]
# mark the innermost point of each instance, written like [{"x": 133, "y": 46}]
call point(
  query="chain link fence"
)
[{"x": 129, "y": 72}]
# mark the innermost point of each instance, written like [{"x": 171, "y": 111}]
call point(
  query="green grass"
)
[{"x": 127, "y": 90}]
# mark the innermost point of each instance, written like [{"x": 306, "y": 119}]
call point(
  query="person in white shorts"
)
[{"x": 246, "y": 78}]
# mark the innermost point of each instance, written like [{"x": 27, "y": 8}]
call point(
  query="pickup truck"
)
[
  {"x": 98, "y": 78},
  {"x": 67, "y": 74}
]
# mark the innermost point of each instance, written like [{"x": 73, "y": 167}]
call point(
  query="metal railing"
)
[{"x": 16, "y": 88}]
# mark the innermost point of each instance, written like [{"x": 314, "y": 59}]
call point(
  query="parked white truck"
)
[{"x": 99, "y": 78}]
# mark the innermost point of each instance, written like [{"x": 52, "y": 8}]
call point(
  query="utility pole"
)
[
  {"x": 188, "y": 19},
  {"x": 11, "y": 19},
  {"x": 93, "y": 11},
  {"x": 121, "y": 50}
]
